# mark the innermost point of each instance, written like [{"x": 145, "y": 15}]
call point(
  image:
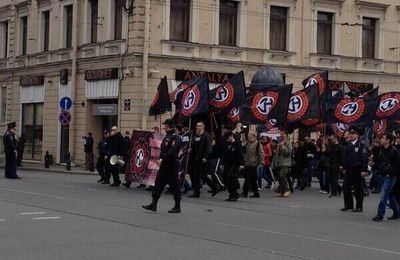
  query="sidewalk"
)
[{"x": 53, "y": 168}]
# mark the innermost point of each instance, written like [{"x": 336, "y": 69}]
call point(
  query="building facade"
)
[{"x": 108, "y": 56}]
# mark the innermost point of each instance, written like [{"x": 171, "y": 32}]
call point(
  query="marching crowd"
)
[{"x": 286, "y": 165}]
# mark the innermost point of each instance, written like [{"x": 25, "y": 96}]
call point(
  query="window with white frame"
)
[
  {"x": 3, "y": 104},
  {"x": 179, "y": 20},
  {"x": 4, "y": 39},
  {"x": 278, "y": 28},
  {"x": 368, "y": 37},
  {"x": 23, "y": 35},
  {"x": 324, "y": 33},
  {"x": 45, "y": 30},
  {"x": 228, "y": 21}
]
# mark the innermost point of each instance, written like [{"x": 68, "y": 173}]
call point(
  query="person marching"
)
[
  {"x": 253, "y": 158},
  {"x": 10, "y": 149},
  {"x": 102, "y": 165},
  {"x": 168, "y": 174},
  {"x": 336, "y": 155},
  {"x": 355, "y": 166},
  {"x": 116, "y": 145},
  {"x": 232, "y": 160},
  {"x": 389, "y": 170},
  {"x": 281, "y": 164}
]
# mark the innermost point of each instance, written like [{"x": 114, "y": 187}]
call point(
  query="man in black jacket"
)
[
  {"x": 116, "y": 145},
  {"x": 355, "y": 167},
  {"x": 103, "y": 161},
  {"x": 168, "y": 173},
  {"x": 199, "y": 153},
  {"x": 88, "y": 149},
  {"x": 336, "y": 155},
  {"x": 10, "y": 149},
  {"x": 388, "y": 169}
]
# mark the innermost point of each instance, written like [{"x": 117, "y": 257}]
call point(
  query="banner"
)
[
  {"x": 389, "y": 106},
  {"x": 231, "y": 94},
  {"x": 161, "y": 102},
  {"x": 144, "y": 155}
]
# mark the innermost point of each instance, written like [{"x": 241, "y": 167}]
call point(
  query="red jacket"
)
[{"x": 267, "y": 154}]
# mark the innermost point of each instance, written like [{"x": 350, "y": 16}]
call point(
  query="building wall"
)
[{"x": 201, "y": 53}]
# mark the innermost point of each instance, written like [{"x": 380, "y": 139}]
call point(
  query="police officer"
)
[
  {"x": 10, "y": 149},
  {"x": 355, "y": 166},
  {"x": 168, "y": 174}
]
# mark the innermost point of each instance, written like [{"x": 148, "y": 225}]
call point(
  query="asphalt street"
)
[{"x": 58, "y": 216}]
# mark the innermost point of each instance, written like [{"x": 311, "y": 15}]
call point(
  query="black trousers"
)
[
  {"x": 334, "y": 173},
  {"x": 353, "y": 179},
  {"x": 250, "y": 180},
  {"x": 114, "y": 169},
  {"x": 11, "y": 165},
  {"x": 196, "y": 171},
  {"x": 167, "y": 175},
  {"x": 101, "y": 167},
  {"x": 231, "y": 180}
]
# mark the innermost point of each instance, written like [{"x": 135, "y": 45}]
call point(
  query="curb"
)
[{"x": 54, "y": 170}]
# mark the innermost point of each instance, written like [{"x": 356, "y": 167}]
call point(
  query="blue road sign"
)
[
  {"x": 65, "y": 103},
  {"x": 64, "y": 117}
]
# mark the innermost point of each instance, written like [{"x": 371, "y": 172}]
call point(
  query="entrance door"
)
[
  {"x": 32, "y": 127},
  {"x": 64, "y": 142},
  {"x": 109, "y": 121}
]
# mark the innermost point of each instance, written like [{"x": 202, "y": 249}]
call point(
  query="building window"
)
[
  {"x": 119, "y": 8},
  {"x": 4, "y": 39},
  {"x": 180, "y": 20},
  {"x": 94, "y": 10},
  {"x": 46, "y": 30},
  {"x": 368, "y": 38},
  {"x": 3, "y": 105},
  {"x": 24, "y": 34},
  {"x": 228, "y": 13},
  {"x": 32, "y": 127},
  {"x": 278, "y": 28},
  {"x": 68, "y": 28},
  {"x": 324, "y": 33}
]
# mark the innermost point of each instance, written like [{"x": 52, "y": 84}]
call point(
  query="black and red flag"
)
[
  {"x": 267, "y": 107},
  {"x": 353, "y": 111},
  {"x": 230, "y": 117},
  {"x": 230, "y": 94},
  {"x": 383, "y": 126},
  {"x": 389, "y": 106},
  {"x": 304, "y": 105},
  {"x": 161, "y": 102},
  {"x": 193, "y": 100},
  {"x": 371, "y": 93},
  {"x": 321, "y": 79}
]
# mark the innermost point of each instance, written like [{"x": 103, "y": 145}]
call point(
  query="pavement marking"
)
[
  {"x": 45, "y": 218},
  {"x": 33, "y": 213}
]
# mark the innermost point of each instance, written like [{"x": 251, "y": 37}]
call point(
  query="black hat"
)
[
  {"x": 169, "y": 122},
  {"x": 355, "y": 130},
  {"x": 11, "y": 125}
]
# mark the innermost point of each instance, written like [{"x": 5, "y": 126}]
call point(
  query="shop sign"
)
[
  {"x": 212, "y": 77},
  {"x": 31, "y": 80},
  {"x": 101, "y": 74},
  {"x": 104, "y": 109},
  {"x": 353, "y": 86}
]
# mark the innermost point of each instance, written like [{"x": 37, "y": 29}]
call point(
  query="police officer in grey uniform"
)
[{"x": 168, "y": 174}]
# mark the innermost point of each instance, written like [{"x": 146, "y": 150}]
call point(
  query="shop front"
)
[{"x": 32, "y": 99}]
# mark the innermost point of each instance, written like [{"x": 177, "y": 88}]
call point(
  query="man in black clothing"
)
[
  {"x": 355, "y": 167},
  {"x": 168, "y": 174},
  {"x": 310, "y": 150},
  {"x": 116, "y": 145},
  {"x": 336, "y": 156},
  {"x": 10, "y": 149},
  {"x": 199, "y": 153},
  {"x": 88, "y": 149},
  {"x": 102, "y": 165},
  {"x": 233, "y": 159}
]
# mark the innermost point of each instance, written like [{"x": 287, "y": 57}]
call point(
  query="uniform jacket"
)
[
  {"x": 355, "y": 157},
  {"x": 254, "y": 154},
  {"x": 9, "y": 142},
  {"x": 170, "y": 147}
]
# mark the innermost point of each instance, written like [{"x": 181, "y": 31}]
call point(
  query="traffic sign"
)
[
  {"x": 65, "y": 103},
  {"x": 64, "y": 117}
]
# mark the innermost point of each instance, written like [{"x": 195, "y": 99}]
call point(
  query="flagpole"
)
[{"x": 190, "y": 144}]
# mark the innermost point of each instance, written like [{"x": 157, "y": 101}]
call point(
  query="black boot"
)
[
  {"x": 177, "y": 207},
  {"x": 152, "y": 206}
]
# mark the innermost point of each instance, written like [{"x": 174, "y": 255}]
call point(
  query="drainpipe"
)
[
  {"x": 145, "y": 61},
  {"x": 73, "y": 76}
]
